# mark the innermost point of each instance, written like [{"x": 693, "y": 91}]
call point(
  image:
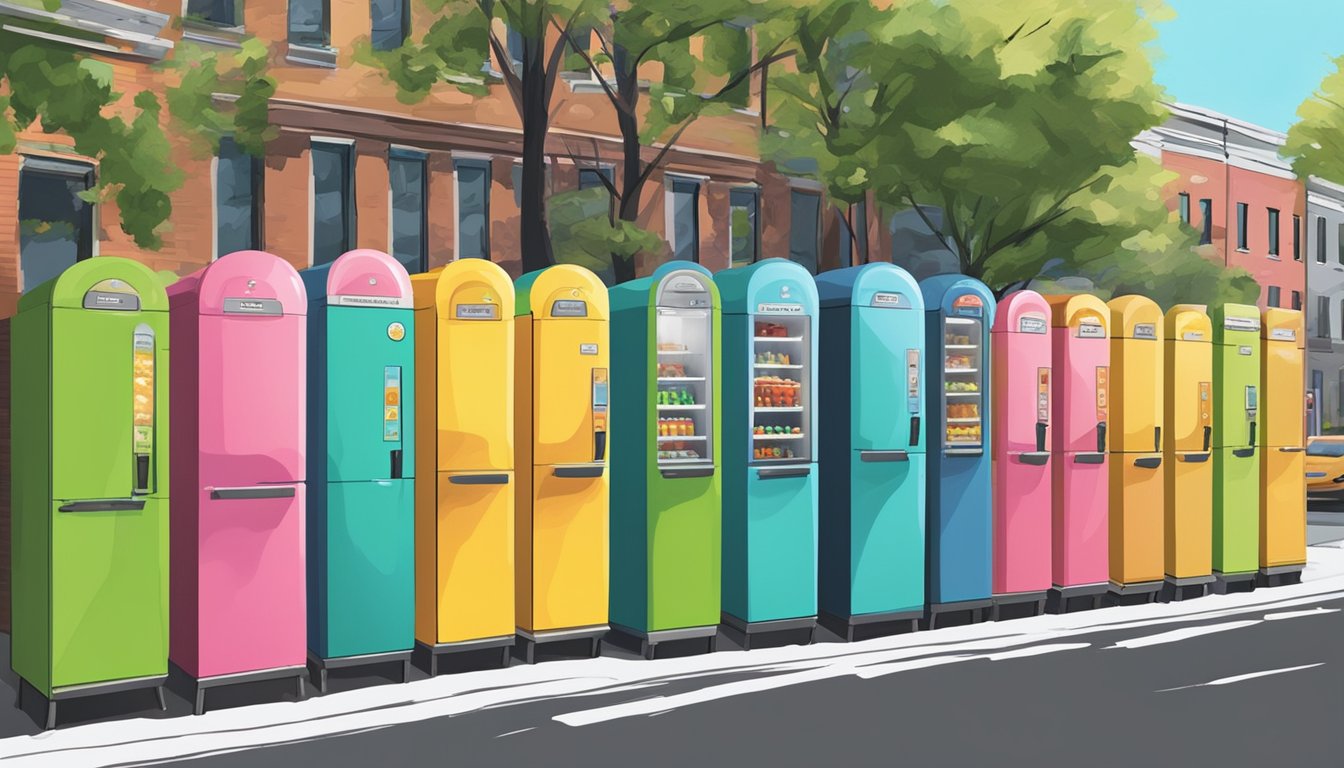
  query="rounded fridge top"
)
[
  {"x": 463, "y": 289},
  {"x": 1283, "y": 325},
  {"x": 1188, "y": 322},
  {"x": 1024, "y": 311},
  {"x": 243, "y": 283},
  {"x": 562, "y": 291},
  {"x": 879, "y": 284},
  {"x": 360, "y": 278},
  {"x": 952, "y": 293},
  {"x": 770, "y": 286},
  {"x": 1072, "y": 309},
  {"x": 1235, "y": 323},
  {"x": 684, "y": 283},
  {"x": 1135, "y": 317},
  {"x": 102, "y": 282}
]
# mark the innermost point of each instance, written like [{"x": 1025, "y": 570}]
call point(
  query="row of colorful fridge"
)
[{"x": 368, "y": 467}]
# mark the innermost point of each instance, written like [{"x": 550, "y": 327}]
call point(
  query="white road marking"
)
[
  {"x": 1037, "y": 650},
  {"x": 1317, "y": 611},
  {"x": 1242, "y": 678},
  {"x": 1177, "y": 635},
  {"x": 513, "y": 733}
]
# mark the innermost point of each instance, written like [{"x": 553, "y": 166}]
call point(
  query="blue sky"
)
[{"x": 1255, "y": 60}]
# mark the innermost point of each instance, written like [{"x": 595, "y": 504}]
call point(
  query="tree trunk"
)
[
  {"x": 535, "y": 232},
  {"x": 627, "y": 90}
]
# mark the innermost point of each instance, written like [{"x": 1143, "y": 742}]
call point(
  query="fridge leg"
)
[
  {"x": 597, "y": 648},
  {"x": 647, "y": 649},
  {"x": 504, "y": 657},
  {"x": 51, "y": 715},
  {"x": 1040, "y": 607},
  {"x": 299, "y": 688},
  {"x": 994, "y": 612},
  {"x": 200, "y": 700},
  {"x": 405, "y": 670},
  {"x": 158, "y": 694},
  {"x": 530, "y": 652},
  {"x": 321, "y": 681},
  {"x": 746, "y": 642},
  {"x": 433, "y": 664},
  {"x": 812, "y": 635},
  {"x": 713, "y": 643}
]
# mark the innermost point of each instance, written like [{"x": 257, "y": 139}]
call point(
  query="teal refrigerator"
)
[
  {"x": 360, "y": 533},
  {"x": 872, "y": 462},
  {"x": 770, "y": 458}
]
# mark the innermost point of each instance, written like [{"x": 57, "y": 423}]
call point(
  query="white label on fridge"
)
[{"x": 779, "y": 309}]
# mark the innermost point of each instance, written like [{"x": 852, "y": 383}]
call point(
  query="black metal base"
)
[
  {"x": 318, "y": 666},
  {"x": 978, "y": 609},
  {"x": 744, "y": 630},
  {"x": 1017, "y": 598},
  {"x": 197, "y": 686},
  {"x": 530, "y": 640},
  {"x": 871, "y": 624},
  {"x": 1280, "y": 575},
  {"x": 1186, "y": 588},
  {"x": 68, "y": 692},
  {"x": 1133, "y": 593},
  {"x": 1226, "y": 583},
  {"x": 426, "y": 657},
  {"x": 648, "y": 641},
  {"x": 1066, "y": 599}
]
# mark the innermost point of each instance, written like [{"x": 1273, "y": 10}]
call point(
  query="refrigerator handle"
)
[
  {"x": 599, "y": 445},
  {"x": 1157, "y": 439},
  {"x": 1040, "y": 436},
  {"x": 1208, "y": 438},
  {"x": 396, "y": 465},
  {"x": 914, "y": 431},
  {"x": 141, "y": 475},
  {"x": 1101, "y": 437},
  {"x": 1251, "y": 442}
]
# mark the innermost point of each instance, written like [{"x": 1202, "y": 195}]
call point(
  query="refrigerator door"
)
[
  {"x": 566, "y": 353},
  {"x": 252, "y": 610},
  {"x": 569, "y": 551},
  {"x": 781, "y": 389},
  {"x": 1191, "y": 391},
  {"x": 963, "y": 384},
  {"x": 886, "y": 533},
  {"x": 1284, "y": 512},
  {"x": 369, "y": 583},
  {"x": 475, "y": 380},
  {"x": 474, "y": 563},
  {"x": 781, "y": 551},
  {"x": 1139, "y": 377},
  {"x": 370, "y": 383},
  {"x": 1283, "y": 409},
  {"x": 888, "y": 345},
  {"x": 252, "y": 379},
  {"x": 109, "y": 592},
  {"x": 1236, "y": 396},
  {"x": 684, "y": 421}
]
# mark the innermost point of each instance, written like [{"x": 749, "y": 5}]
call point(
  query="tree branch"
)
[
  {"x": 662, "y": 153},
  {"x": 1051, "y": 214},
  {"x": 558, "y": 51},
  {"x": 592, "y": 67},
  {"x": 910, "y": 198}
]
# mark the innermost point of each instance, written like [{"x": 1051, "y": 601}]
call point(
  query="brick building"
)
[{"x": 1243, "y": 198}]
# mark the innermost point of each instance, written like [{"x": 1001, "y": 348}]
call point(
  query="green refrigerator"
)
[
  {"x": 666, "y": 508},
  {"x": 89, "y": 543},
  {"x": 1236, "y": 468}
]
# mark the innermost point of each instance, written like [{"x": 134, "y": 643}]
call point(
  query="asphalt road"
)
[{"x": 1241, "y": 680}]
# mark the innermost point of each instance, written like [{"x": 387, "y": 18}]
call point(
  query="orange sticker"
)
[
  {"x": 1102, "y": 392},
  {"x": 1043, "y": 395}
]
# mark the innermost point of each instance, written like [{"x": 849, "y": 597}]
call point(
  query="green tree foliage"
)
[
  {"x": 1316, "y": 141},
  {"x": 637, "y": 33},
  {"x": 223, "y": 93},
  {"x": 455, "y": 51}
]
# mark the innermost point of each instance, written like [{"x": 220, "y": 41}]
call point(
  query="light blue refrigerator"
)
[
  {"x": 872, "y": 450},
  {"x": 770, "y": 458}
]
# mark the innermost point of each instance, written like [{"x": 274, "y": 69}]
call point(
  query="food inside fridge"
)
[
  {"x": 959, "y": 362},
  {"x": 963, "y": 410},
  {"x": 963, "y": 433},
  {"x": 765, "y": 330},
  {"x": 777, "y": 392},
  {"x": 772, "y": 453},
  {"x": 671, "y": 370},
  {"x": 962, "y": 386},
  {"x": 671, "y": 347},
  {"x": 773, "y": 358},
  {"x": 682, "y": 454},
  {"x": 682, "y": 396}
]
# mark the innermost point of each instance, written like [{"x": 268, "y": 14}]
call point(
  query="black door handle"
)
[
  {"x": 1040, "y": 436},
  {"x": 599, "y": 446},
  {"x": 1193, "y": 458},
  {"x": 701, "y": 471},
  {"x": 1208, "y": 438},
  {"x": 1157, "y": 438},
  {"x": 104, "y": 505},
  {"x": 396, "y": 464},
  {"x": 141, "y": 473},
  {"x": 1089, "y": 458},
  {"x": 1252, "y": 440},
  {"x": 766, "y": 474},
  {"x": 1242, "y": 453},
  {"x": 1148, "y": 462},
  {"x": 254, "y": 492},
  {"x": 1101, "y": 437},
  {"x": 1035, "y": 458},
  {"x": 586, "y": 470},
  {"x": 884, "y": 456},
  {"x": 488, "y": 479},
  {"x": 914, "y": 431}
]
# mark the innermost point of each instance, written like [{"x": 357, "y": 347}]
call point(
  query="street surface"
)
[{"x": 1236, "y": 680}]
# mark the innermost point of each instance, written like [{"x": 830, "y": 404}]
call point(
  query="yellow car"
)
[{"x": 1325, "y": 464}]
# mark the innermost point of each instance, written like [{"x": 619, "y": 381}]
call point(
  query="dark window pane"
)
[
  {"x": 1241, "y": 226},
  {"x": 1297, "y": 300},
  {"x": 515, "y": 43},
  {"x": 407, "y": 177},
  {"x": 237, "y": 182},
  {"x": 1272, "y": 297},
  {"x": 1297, "y": 238},
  {"x": 1339, "y": 242},
  {"x": 55, "y": 226},
  {"x": 1323, "y": 317},
  {"x": 473, "y": 209},
  {"x": 310, "y": 22},
  {"x": 389, "y": 23},
  {"x": 1205, "y": 221},
  {"x": 333, "y": 195},
  {"x": 592, "y": 177},
  {"x": 1185, "y": 208},
  {"x": 1273, "y": 232},
  {"x": 1320, "y": 239},
  {"x": 686, "y": 219},
  {"x": 804, "y": 217},
  {"x": 744, "y": 226},
  {"x": 220, "y": 12}
]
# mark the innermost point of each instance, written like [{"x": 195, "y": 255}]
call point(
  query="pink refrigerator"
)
[
  {"x": 1020, "y": 429},
  {"x": 1082, "y": 358},
  {"x": 236, "y": 593}
]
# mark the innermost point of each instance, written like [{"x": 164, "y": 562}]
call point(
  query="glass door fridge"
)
[
  {"x": 683, "y": 398},
  {"x": 781, "y": 396},
  {"x": 963, "y": 384}
]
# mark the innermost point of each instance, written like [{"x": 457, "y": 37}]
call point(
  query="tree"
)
[
  {"x": 640, "y": 32},
  {"x": 1316, "y": 142},
  {"x": 455, "y": 50},
  {"x": 223, "y": 93}
]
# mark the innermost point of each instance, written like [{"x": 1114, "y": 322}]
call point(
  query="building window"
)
[
  {"x": 804, "y": 221},
  {"x": 685, "y": 218},
  {"x": 55, "y": 225},
  {"x": 1320, "y": 239},
  {"x": 310, "y": 23},
  {"x": 218, "y": 13},
  {"x": 238, "y": 187},
  {"x": 473, "y": 208},
  {"x": 744, "y": 227},
  {"x": 1205, "y": 221},
  {"x": 1297, "y": 300},
  {"x": 1272, "y": 296},
  {"x": 406, "y": 176},
  {"x": 1339, "y": 242},
  {"x": 1297, "y": 237},
  {"x": 333, "y": 201},
  {"x": 1185, "y": 207},
  {"x": 515, "y": 45},
  {"x": 590, "y": 178},
  {"x": 1273, "y": 232},
  {"x": 1322, "y": 317},
  {"x": 390, "y": 24},
  {"x": 1242, "y": 210}
]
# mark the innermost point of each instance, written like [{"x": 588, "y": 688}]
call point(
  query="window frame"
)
[
  {"x": 400, "y": 155},
  {"x": 290, "y": 34},
  {"x": 1320, "y": 240},
  {"x": 753, "y": 196},
  {"x": 404, "y": 16},
  {"x": 211, "y": 24},
  {"x": 1273, "y": 296},
  {"x": 486, "y": 164},
  {"x": 1206, "y": 226},
  {"x": 1297, "y": 237},
  {"x": 796, "y": 192},
  {"x": 1297, "y": 300},
  {"x": 1323, "y": 329},
  {"x": 1243, "y": 236},
  {"x": 1183, "y": 207},
  {"x": 349, "y": 218},
  {"x": 671, "y": 183},
  {"x": 257, "y": 191},
  {"x": 86, "y": 247},
  {"x": 1272, "y": 229}
]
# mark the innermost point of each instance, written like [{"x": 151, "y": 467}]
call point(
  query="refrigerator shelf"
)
[
  {"x": 962, "y": 394},
  {"x": 755, "y": 436},
  {"x": 961, "y": 370},
  {"x": 794, "y": 339},
  {"x": 959, "y": 321},
  {"x": 965, "y": 420},
  {"x": 697, "y": 407},
  {"x": 961, "y": 346},
  {"x": 675, "y": 438},
  {"x": 696, "y": 460},
  {"x": 675, "y": 352},
  {"x": 778, "y": 409},
  {"x": 661, "y": 379},
  {"x": 777, "y": 365}
]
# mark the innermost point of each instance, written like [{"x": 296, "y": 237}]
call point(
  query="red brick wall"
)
[{"x": 1260, "y": 192}]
